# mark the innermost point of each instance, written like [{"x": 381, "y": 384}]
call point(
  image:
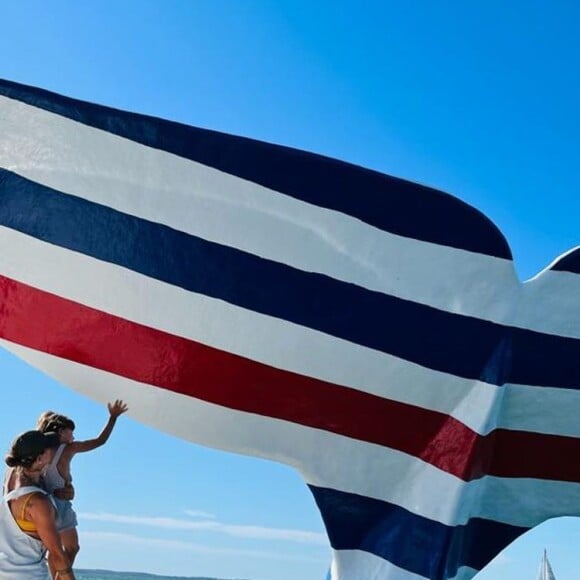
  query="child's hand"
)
[{"x": 117, "y": 408}]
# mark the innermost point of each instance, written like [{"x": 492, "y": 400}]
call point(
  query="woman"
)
[{"x": 27, "y": 514}]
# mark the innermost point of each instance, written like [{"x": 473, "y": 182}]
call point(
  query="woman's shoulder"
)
[
  {"x": 38, "y": 503},
  {"x": 26, "y": 493}
]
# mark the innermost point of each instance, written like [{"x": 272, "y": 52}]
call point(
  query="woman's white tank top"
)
[{"x": 21, "y": 556}]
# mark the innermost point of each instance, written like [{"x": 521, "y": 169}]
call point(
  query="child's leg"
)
[{"x": 70, "y": 543}]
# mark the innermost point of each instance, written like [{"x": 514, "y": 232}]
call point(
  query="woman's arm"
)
[
  {"x": 115, "y": 409},
  {"x": 41, "y": 511}
]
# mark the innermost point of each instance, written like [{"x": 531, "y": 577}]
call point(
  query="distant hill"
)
[{"x": 108, "y": 575}]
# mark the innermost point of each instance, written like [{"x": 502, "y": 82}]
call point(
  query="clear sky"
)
[{"x": 477, "y": 99}]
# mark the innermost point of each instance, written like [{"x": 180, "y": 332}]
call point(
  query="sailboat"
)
[{"x": 546, "y": 572}]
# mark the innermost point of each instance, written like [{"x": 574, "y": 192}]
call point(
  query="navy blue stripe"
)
[
  {"x": 459, "y": 345},
  {"x": 569, "y": 263},
  {"x": 388, "y": 203},
  {"x": 409, "y": 541},
  {"x": 537, "y": 358}
]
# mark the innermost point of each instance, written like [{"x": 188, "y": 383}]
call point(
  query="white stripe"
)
[
  {"x": 540, "y": 410},
  {"x": 370, "y": 470},
  {"x": 550, "y": 301},
  {"x": 161, "y": 187},
  {"x": 152, "y": 303},
  {"x": 359, "y": 565}
]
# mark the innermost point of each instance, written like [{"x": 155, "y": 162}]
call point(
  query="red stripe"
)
[{"x": 70, "y": 330}]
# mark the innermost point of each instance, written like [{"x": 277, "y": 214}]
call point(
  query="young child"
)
[{"x": 57, "y": 476}]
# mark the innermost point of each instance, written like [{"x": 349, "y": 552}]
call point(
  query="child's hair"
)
[{"x": 51, "y": 421}]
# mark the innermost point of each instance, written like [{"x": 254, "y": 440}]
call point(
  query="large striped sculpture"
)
[{"x": 368, "y": 331}]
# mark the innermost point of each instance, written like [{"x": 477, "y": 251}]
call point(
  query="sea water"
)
[{"x": 108, "y": 575}]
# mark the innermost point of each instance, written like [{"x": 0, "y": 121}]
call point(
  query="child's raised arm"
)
[{"x": 115, "y": 409}]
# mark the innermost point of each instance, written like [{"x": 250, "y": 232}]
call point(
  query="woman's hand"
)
[
  {"x": 117, "y": 408},
  {"x": 67, "y": 492}
]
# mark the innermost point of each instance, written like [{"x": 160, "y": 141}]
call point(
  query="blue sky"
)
[{"x": 478, "y": 100}]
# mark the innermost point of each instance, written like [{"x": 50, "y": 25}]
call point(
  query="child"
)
[{"x": 57, "y": 476}]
